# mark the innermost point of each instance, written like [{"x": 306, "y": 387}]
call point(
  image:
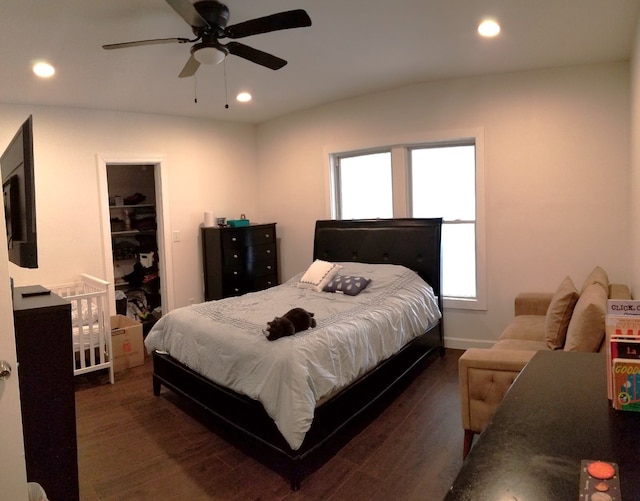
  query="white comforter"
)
[{"x": 224, "y": 340}]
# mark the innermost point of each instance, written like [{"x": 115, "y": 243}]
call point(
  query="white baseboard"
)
[{"x": 464, "y": 344}]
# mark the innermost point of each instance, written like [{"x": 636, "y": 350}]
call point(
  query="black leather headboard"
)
[{"x": 411, "y": 242}]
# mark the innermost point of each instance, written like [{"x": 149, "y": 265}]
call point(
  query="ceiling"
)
[{"x": 353, "y": 47}]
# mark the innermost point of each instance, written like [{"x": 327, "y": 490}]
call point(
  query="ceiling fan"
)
[{"x": 208, "y": 20}]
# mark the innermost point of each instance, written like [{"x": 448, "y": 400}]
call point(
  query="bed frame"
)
[{"x": 414, "y": 243}]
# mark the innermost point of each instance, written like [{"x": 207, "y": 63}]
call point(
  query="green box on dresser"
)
[{"x": 239, "y": 260}]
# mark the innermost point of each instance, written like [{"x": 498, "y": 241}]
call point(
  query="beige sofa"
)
[{"x": 568, "y": 319}]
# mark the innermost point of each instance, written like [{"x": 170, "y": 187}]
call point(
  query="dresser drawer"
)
[
  {"x": 265, "y": 282},
  {"x": 249, "y": 254},
  {"x": 261, "y": 268},
  {"x": 236, "y": 288},
  {"x": 250, "y": 269},
  {"x": 232, "y": 239}
]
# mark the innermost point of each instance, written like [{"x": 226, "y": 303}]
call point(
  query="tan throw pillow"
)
[
  {"x": 597, "y": 276},
  {"x": 586, "y": 328},
  {"x": 559, "y": 314}
]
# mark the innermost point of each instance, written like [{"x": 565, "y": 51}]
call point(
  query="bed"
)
[
  {"x": 91, "y": 325},
  {"x": 405, "y": 253}
]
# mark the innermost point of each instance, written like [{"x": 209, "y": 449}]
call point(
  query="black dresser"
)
[
  {"x": 239, "y": 260},
  {"x": 47, "y": 395}
]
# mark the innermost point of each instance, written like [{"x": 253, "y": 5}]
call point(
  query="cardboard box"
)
[{"x": 127, "y": 344}]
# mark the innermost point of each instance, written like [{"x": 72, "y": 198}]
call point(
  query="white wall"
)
[
  {"x": 211, "y": 165},
  {"x": 557, "y": 156},
  {"x": 557, "y": 161}
]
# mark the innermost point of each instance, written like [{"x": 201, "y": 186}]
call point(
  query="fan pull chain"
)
[
  {"x": 226, "y": 98},
  {"x": 195, "y": 89}
]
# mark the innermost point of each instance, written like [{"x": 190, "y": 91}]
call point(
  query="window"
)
[
  {"x": 364, "y": 186},
  {"x": 443, "y": 184},
  {"x": 440, "y": 179}
]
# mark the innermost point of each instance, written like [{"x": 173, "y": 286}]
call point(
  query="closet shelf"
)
[
  {"x": 128, "y": 233},
  {"x": 136, "y": 206}
]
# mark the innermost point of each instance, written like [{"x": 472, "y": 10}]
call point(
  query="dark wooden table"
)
[{"x": 555, "y": 415}]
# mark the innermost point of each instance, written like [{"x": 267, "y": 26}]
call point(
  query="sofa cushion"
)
[
  {"x": 559, "y": 313},
  {"x": 597, "y": 276},
  {"x": 619, "y": 291},
  {"x": 587, "y": 327},
  {"x": 521, "y": 344},
  {"x": 525, "y": 327},
  {"x": 532, "y": 303}
]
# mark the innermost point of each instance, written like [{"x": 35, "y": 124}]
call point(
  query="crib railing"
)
[{"x": 91, "y": 324}]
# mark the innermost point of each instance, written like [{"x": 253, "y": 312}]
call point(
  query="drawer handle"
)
[
  {"x": 235, "y": 256},
  {"x": 268, "y": 251},
  {"x": 236, "y": 289},
  {"x": 267, "y": 235},
  {"x": 268, "y": 267},
  {"x": 235, "y": 272},
  {"x": 233, "y": 239},
  {"x": 268, "y": 282}
]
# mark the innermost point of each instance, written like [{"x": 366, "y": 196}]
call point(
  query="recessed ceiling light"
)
[
  {"x": 244, "y": 97},
  {"x": 43, "y": 70},
  {"x": 489, "y": 28}
]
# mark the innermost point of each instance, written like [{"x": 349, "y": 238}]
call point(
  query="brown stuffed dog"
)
[{"x": 295, "y": 320}]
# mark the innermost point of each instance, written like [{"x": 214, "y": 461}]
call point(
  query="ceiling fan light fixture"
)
[
  {"x": 209, "y": 55},
  {"x": 244, "y": 97},
  {"x": 208, "y": 21}
]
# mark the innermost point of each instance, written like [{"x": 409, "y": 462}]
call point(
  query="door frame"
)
[
  {"x": 165, "y": 259},
  {"x": 12, "y": 459}
]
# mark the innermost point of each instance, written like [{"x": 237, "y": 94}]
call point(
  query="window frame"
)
[{"x": 401, "y": 193}]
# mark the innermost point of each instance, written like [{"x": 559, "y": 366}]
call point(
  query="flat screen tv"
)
[{"x": 18, "y": 193}]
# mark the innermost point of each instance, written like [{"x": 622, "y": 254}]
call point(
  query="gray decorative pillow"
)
[{"x": 347, "y": 284}]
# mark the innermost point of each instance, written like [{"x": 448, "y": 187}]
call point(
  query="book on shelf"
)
[
  {"x": 622, "y": 349},
  {"x": 626, "y": 383},
  {"x": 623, "y": 307}
]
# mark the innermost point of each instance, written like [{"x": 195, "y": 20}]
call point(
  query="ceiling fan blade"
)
[
  {"x": 188, "y": 12},
  {"x": 282, "y": 21},
  {"x": 190, "y": 68},
  {"x": 255, "y": 55},
  {"x": 145, "y": 42}
]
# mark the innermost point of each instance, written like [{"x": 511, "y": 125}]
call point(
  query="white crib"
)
[{"x": 91, "y": 323}]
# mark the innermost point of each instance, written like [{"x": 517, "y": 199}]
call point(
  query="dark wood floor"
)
[{"x": 134, "y": 446}]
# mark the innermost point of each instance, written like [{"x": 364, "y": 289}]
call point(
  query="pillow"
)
[
  {"x": 587, "y": 327},
  {"x": 347, "y": 284},
  {"x": 318, "y": 275},
  {"x": 598, "y": 276},
  {"x": 559, "y": 314}
]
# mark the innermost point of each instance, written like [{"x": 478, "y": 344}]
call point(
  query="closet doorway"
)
[{"x": 136, "y": 247}]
